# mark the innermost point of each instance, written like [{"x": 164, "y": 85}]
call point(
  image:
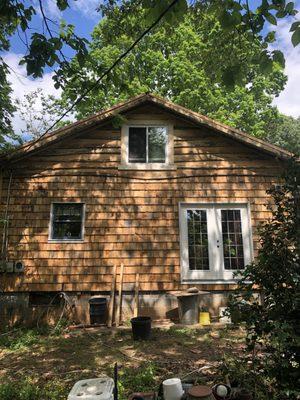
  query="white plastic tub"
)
[
  {"x": 93, "y": 389},
  {"x": 172, "y": 389}
]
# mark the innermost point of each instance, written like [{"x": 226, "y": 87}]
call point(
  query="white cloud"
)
[
  {"x": 21, "y": 85},
  {"x": 88, "y": 8},
  {"x": 50, "y": 8},
  {"x": 288, "y": 101}
]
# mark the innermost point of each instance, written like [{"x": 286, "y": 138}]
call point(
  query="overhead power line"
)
[{"x": 105, "y": 73}]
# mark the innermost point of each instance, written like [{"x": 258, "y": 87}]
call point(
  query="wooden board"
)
[
  {"x": 112, "y": 297},
  {"x": 119, "y": 309}
]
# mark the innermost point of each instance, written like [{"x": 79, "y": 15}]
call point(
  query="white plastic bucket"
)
[{"x": 172, "y": 389}]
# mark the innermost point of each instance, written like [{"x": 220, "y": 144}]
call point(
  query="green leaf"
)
[
  {"x": 270, "y": 18},
  {"x": 281, "y": 14},
  {"x": 279, "y": 58},
  {"x": 296, "y": 37},
  {"x": 62, "y": 4},
  {"x": 228, "y": 20},
  {"x": 266, "y": 63},
  {"x": 294, "y": 26},
  {"x": 289, "y": 7},
  {"x": 270, "y": 38}
]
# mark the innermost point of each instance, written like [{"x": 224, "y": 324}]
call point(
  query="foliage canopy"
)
[
  {"x": 186, "y": 63},
  {"x": 46, "y": 44}
]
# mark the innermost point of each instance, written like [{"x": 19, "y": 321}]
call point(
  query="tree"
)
[
  {"x": 285, "y": 133},
  {"x": 38, "y": 111},
  {"x": 185, "y": 63},
  {"x": 46, "y": 44},
  {"x": 7, "y": 137},
  {"x": 45, "y": 47},
  {"x": 272, "y": 324}
]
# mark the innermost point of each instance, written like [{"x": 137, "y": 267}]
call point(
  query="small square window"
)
[
  {"x": 67, "y": 221},
  {"x": 147, "y": 144}
]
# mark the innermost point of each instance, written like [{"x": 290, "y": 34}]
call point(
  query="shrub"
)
[
  {"x": 272, "y": 319},
  {"x": 29, "y": 390}
]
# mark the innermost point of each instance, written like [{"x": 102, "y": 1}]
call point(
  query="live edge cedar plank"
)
[{"x": 132, "y": 215}]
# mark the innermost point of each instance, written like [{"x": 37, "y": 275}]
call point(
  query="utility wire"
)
[{"x": 123, "y": 55}]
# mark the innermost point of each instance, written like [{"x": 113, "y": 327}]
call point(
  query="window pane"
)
[
  {"x": 137, "y": 145},
  {"x": 197, "y": 240},
  {"x": 67, "y": 230},
  {"x": 67, "y": 221},
  {"x": 67, "y": 212},
  {"x": 157, "y": 140},
  {"x": 232, "y": 239}
]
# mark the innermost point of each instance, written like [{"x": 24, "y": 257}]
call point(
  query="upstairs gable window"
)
[{"x": 147, "y": 144}]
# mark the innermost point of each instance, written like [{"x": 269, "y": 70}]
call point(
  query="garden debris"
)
[{"x": 143, "y": 396}]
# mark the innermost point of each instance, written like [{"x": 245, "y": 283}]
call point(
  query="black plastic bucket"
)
[
  {"x": 141, "y": 328},
  {"x": 98, "y": 310}
]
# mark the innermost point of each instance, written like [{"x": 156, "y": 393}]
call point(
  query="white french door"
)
[{"x": 215, "y": 241}]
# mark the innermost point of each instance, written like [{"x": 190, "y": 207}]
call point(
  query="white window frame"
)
[
  {"x": 50, "y": 238},
  {"x": 168, "y": 164},
  {"x": 216, "y": 272}
]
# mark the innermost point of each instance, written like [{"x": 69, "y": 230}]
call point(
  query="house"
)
[{"x": 172, "y": 194}]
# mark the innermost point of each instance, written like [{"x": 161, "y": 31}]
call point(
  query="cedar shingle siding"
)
[{"x": 131, "y": 216}]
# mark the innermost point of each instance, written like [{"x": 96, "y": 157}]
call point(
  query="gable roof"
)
[{"x": 103, "y": 116}]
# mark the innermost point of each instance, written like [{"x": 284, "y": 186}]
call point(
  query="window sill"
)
[
  {"x": 209, "y": 281},
  {"x": 147, "y": 167},
  {"x": 65, "y": 240}
]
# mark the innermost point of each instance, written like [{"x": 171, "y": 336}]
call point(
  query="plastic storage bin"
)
[{"x": 93, "y": 389}]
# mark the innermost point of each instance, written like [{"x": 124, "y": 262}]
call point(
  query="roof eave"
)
[{"x": 101, "y": 117}]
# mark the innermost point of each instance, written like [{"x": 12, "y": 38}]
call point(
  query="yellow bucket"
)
[{"x": 204, "y": 318}]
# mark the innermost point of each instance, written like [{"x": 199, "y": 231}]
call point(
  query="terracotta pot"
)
[{"x": 200, "y": 392}]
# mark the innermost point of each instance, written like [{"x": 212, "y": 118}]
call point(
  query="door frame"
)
[{"x": 212, "y": 276}]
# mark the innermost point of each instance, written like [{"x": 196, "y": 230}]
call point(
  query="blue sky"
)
[{"x": 84, "y": 16}]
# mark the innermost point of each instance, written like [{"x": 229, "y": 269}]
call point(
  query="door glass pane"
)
[
  {"x": 157, "y": 140},
  {"x": 197, "y": 240},
  {"x": 137, "y": 144},
  {"x": 232, "y": 239}
]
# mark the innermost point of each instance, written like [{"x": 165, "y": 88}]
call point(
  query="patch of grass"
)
[
  {"x": 59, "y": 328},
  {"x": 139, "y": 379},
  {"x": 21, "y": 339},
  {"x": 181, "y": 333},
  {"x": 29, "y": 390},
  {"x": 206, "y": 339}
]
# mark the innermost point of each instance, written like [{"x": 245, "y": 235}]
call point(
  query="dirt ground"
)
[{"x": 88, "y": 353}]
